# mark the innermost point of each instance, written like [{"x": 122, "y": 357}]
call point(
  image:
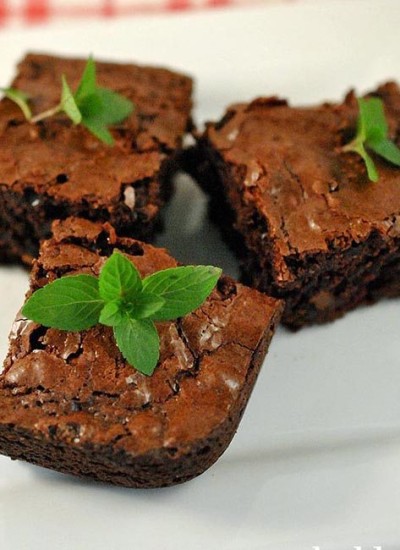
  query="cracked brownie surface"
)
[
  {"x": 52, "y": 170},
  {"x": 70, "y": 402},
  {"x": 311, "y": 228}
]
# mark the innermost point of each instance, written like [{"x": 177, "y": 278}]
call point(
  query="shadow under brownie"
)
[
  {"x": 52, "y": 170},
  {"x": 70, "y": 402},
  {"x": 305, "y": 220}
]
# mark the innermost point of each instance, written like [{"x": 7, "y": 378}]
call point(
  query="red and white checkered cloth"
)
[{"x": 40, "y": 11}]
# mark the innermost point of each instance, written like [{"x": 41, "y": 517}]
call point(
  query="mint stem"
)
[
  {"x": 46, "y": 114},
  {"x": 349, "y": 148}
]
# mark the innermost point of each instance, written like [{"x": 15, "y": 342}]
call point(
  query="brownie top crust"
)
[
  {"x": 76, "y": 387},
  {"x": 59, "y": 159},
  {"x": 289, "y": 167}
]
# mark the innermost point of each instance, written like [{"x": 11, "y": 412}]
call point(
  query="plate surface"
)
[{"x": 315, "y": 464}]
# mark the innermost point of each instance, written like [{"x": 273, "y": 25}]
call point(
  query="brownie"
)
[
  {"x": 70, "y": 402},
  {"x": 307, "y": 223},
  {"x": 52, "y": 170}
]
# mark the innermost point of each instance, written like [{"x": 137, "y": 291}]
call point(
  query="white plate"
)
[{"x": 316, "y": 460}]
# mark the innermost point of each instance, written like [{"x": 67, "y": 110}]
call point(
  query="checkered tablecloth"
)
[{"x": 41, "y": 11}]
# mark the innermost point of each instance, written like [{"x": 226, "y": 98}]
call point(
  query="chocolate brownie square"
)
[
  {"x": 52, "y": 170},
  {"x": 307, "y": 223},
  {"x": 70, "y": 402}
]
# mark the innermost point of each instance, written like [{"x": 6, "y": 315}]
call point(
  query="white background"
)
[{"x": 317, "y": 458}]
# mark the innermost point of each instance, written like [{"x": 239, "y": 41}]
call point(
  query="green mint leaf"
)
[
  {"x": 119, "y": 279},
  {"x": 112, "y": 314},
  {"x": 92, "y": 109},
  {"x": 100, "y": 131},
  {"x": 386, "y": 149},
  {"x": 144, "y": 305},
  {"x": 87, "y": 85},
  {"x": 102, "y": 109},
  {"x": 68, "y": 104},
  {"x": 71, "y": 303},
  {"x": 139, "y": 344},
  {"x": 183, "y": 288},
  {"x": 20, "y": 98},
  {"x": 116, "y": 108},
  {"x": 105, "y": 107},
  {"x": 372, "y": 119}
]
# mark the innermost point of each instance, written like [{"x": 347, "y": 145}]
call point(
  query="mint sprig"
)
[
  {"x": 94, "y": 107},
  {"x": 373, "y": 134},
  {"x": 119, "y": 298}
]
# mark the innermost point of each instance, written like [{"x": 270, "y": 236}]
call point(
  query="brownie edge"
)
[{"x": 70, "y": 402}]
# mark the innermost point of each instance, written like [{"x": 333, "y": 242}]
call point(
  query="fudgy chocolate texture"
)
[
  {"x": 68, "y": 401},
  {"x": 311, "y": 228},
  {"x": 53, "y": 169}
]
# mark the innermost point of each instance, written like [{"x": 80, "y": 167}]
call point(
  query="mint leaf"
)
[
  {"x": 112, "y": 314},
  {"x": 386, "y": 149},
  {"x": 372, "y": 133},
  {"x": 99, "y": 130},
  {"x": 101, "y": 109},
  {"x": 116, "y": 108},
  {"x": 71, "y": 303},
  {"x": 139, "y": 344},
  {"x": 119, "y": 279},
  {"x": 93, "y": 117},
  {"x": 372, "y": 118},
  {"x": 19, "y": 98},
  {"x": 68, "y": 104},
  {"x": 87, "y": 85},
  {"x": 183, "y": 288},
  {"x": 92, "y": 107},
  {"x": 144, "y": 305}
]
